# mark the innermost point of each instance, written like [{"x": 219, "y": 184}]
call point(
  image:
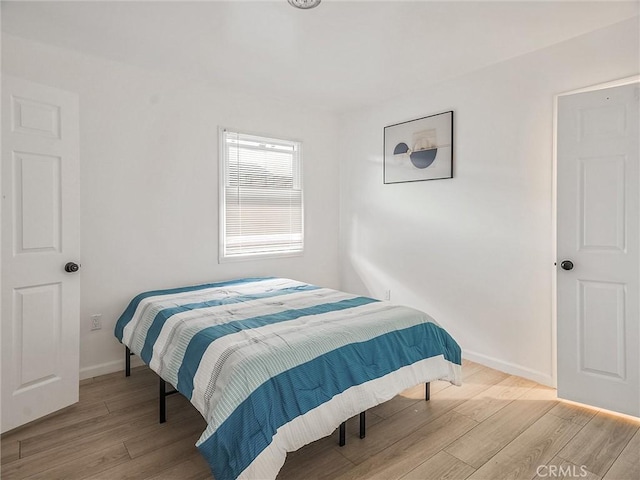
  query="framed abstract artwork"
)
[{"x": 420, "y": 149}]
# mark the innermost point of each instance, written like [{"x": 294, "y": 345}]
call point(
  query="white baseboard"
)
[
  {"x": 109, "y": 367},
  {"x": 510, "y": 368}
]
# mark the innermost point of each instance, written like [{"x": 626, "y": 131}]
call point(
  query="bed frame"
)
[{"x": 163, "y": 394}]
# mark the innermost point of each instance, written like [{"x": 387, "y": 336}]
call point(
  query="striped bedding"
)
[{"x": 273, "y": 364}]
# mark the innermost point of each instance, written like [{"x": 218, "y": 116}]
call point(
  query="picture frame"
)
[{"x": 418, "y": 150}]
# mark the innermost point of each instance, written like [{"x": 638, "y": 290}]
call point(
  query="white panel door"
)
[
  {"x": 598, "y": 248},
  {"x": 40, "y": 235}
]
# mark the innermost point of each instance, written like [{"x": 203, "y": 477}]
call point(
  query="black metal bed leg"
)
[
  {"x": 127, "y": 362},
  {"x": 427, "y": 391},
  {"x": 163, "y": 400},
  {"x": 343, "y": 434},
  {"x": 363, "y": 426},
  {"x": 163, "y": 394}
]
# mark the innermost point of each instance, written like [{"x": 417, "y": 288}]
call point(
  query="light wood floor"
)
[{"x": 495, "y": 426}]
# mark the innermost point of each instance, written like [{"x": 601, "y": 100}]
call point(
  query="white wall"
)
[
  {"x": 476, "y": 252},
  {"x": 149, "y": 182}
]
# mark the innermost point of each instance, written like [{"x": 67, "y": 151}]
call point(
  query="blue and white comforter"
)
[{"x": 273, "y": 364}]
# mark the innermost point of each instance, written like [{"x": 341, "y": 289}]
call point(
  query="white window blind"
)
[{"x": 262, "y": 207}]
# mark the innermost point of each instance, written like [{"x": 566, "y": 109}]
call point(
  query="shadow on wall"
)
[
  {"x": 427, "y": 279},
  {"x": 374, "y": 278}
]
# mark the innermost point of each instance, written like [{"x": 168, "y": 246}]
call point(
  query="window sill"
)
[{"x": 258, "y": 256}]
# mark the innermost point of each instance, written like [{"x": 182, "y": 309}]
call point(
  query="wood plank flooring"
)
[{"x": 496, "y": 426}]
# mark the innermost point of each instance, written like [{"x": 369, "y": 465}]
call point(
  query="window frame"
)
[{"x": 222, "y": 152}]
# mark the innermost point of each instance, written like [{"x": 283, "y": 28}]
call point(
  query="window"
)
[{"x": 261, "y": 196}]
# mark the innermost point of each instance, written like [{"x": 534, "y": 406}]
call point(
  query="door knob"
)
[
  {"x": 71, "y": 267},
  {"x": 566, "y": 265}
]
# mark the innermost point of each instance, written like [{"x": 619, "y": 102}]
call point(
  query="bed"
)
[{"x": 273, "y": 364}]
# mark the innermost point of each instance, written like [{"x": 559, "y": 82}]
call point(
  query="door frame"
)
[{"x": 554, "y": 213}]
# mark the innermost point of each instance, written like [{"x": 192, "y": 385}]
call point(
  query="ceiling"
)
[{"x": 338, "y": 56}]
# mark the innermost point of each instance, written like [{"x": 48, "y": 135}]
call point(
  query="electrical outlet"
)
[
  {"x": 96, "y": 321},
  {"x": 387, "y": 294}
]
